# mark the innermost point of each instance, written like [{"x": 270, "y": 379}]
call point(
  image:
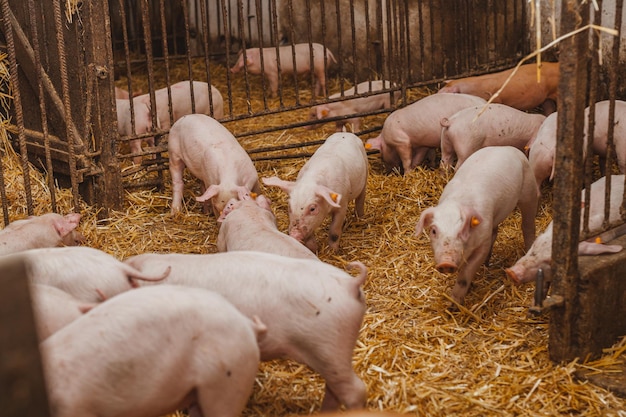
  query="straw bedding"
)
[{"x": 414, "y": 355}]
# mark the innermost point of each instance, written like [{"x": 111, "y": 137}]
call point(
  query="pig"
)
[
  {"x": 539, "y": 256},
  {"x": 212, "y": 154},
  {"x": 182, "y": 101},
  {"x": 476, "y": 127},
  {"x": 250, "y": 225},
  {"x": 464, "y": 224},
  {"x": 523, "y": 91},
  {"x": 54, "y": 309},
  {"x": 313, "y": 310},
  {"x": 541, "y": 150},
  {"x": 88, "y": 274},
  {"x": 410, "y": 132},
  {"x": 45, "y": 231},
  {"x": 269, "y": 68},
  {"x": 152, "y": 351},
  {"x": 355, "y": 105},
  {"x": 143, "y": 124},
  {"x": 335, "y": 175},
  {"x": 600, "y": 132}
]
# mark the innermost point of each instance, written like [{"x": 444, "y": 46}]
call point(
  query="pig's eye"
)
[{"x": 433, "y": 232}]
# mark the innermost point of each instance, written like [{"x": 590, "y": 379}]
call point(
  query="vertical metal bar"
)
[
  {"x": 166, "y": 65},
  {"x": 205, "y": 32},
  {"x": 147, "y": 40}
]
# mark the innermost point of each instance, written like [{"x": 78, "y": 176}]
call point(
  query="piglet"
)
[
  {"x": 182, "y": 104},
  {"x": 409, "y": 133},
  {"x": 464, "y": 224},
  {"x": 250, "y": 224},
  {"x": 86, "y": 273},
  {"x": 152, "y": 351},
  {"x": 355, "y": 105},
  {"x": 335, "y": 175},
  {"x": 45, "y": 231},
  {"x": 601, "y": 131},
  {"x": 54, "y": 309},
  {"x": 476, "y": 127},
  {"x": 539, "y": 256},
  {"x": 269, "y": 68},
  {"x": 313, "y": 310},
  {"x": 523, "y": 91},
  {"x": 212, "y": 154},
  {"x": 143, "y": 123}
]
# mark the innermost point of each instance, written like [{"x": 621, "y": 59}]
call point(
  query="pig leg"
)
[
  {"x": 177, "y": 166},
  {"x": 528, "y": 208},
  {"x": 447, "y": 150},
  {"x": 273, "y": 84},
  {"x": 135, "y": 146},
  {"x": 351, "y": 392},
  {"x": 416, "y": 159},
  {"x": 467, "y": 272},
  {"x": 359, "y": 204},
  {"x": 336, "y": 225}
]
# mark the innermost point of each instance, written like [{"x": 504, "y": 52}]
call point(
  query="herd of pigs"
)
[{"x": 210, "y": 318}]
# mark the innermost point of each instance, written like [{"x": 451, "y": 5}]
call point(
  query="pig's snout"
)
[
  {"x": 446, "y": 268},
  {"x": 513, "y": 276}
]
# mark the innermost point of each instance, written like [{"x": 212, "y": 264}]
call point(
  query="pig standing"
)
[
  {"x": 540, "y": 254},
  {"x": 212, "y": 154},
  {"x": 45, "y": 231},
  {"x": 541, "y": 150},
  {"x": 86, "y": 273},
  {"x": 152, "y": 351},
  {"x": 182, "y": 101},
  {"x": 355, "y": 105},
  {"x": 464, "y": 224},
  {"x": 601, "y": 131},
  {"x": 250, "y": 225},
  {"x": 410, "y": 132},
  {"x": 313, "y": 310},
  {"x": 54, "y": 309},
  {"x": 143, "y": 124},
  {"x": 498, "y": 125},
  {"x": 302, "y": 53},
  {"x": 523, "y": 91},
  {"x": 335, "y": 175}
]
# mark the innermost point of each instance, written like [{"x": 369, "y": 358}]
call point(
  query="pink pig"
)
[
  {"x": 302, "y": 53},
  {"x": 250, "y": 225},
  {"x": 464, "y": 225},
  {"x": 540, "y": 254},
  {"x": 476, "y": 127},
  {"x": 152, "y": 351},
  {"x": 86, "y": 273},
  {"x": 355, "y": 105},
  {"x": 313, "y": 310},
  {"x": 410, "y": 132},
  {"x": 522, "y": 92},
  {"x": 143, "y": 124},
  {"x": 54, "y": 309},
  {"x": 45, "y": 231},
  {"x": 541, "y": 150},
  {"x": 600, "y": 133},
  {"x": 335, "y": 175},
  {"x": 182, "y": 101},
  {"x": 213, "y": 155}
]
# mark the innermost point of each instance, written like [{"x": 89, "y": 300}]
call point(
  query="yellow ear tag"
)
[
  {"x": 324, "y": 112},
  {"x": 333, "y": 196},
  {"x": 474, "y": 222},
  {"x": 253, "y": 195},
  {"x": 598, "y": 240},
  {"x": 368, "y": 146}
]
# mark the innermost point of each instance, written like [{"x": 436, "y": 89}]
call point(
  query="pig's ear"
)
[
  {"x": 210, "y": 192},
  {"x": 592, "y": 248},
  {"x": 286, "y": 186},
  {"x": 322, "y": 111},
  {"x": 65, "y": 225},
  {"x": 243, "y": 193},
  {"x": 264, "y": 202},
  {"x": 424, "y": 221},
  {"x": 470, "y": 221},
  {"x": 329, "y": 195}
]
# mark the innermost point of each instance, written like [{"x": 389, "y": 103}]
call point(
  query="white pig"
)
[
  {"x": 212, "y": 154},
  {"x": 466, "y": 131},
  {"x": 410, "y": 132},
  {"x": 143, "y": 123},
  {"x": 54, "y": 309},
  {"x": 153, "y": 351},
  {"x": 182, "y": 101},
  {"x": 335, "y": 175},
  {"x": 541, "y": 150},
  {"x": 86, "y": 273},
  {"x": 45, "y": 231},
  {"x": 601, "y": 131},
  {"x": 250, "y": 224},
  {"x": 313, "y": 310},
  {"x": 464, "y": 224},
  {"x": 302, "y": 53},
  {"x": 540, "y": 254},
  {"x": 355, "y": 105}
]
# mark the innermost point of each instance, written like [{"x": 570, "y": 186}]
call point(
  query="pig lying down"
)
[
  {"x": 464, "y": 224},
  {"x": 335, "y": 175},
  {"x": 410, "y": 132},
  {"x": 45, "y": 231},
  {"x": 539, "y": 256},
  {"x": 355, "y": 105},
  {"x": 523, "y": 91},
  {"x": 313, "y": 311},
  {"x": 86, "y": 273},
  {"x": 269, "y": 67},
  {"x": 250, "y": 224},
  {"x": 152, "y": 351},
  {"x": 212, "y": 154}
]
